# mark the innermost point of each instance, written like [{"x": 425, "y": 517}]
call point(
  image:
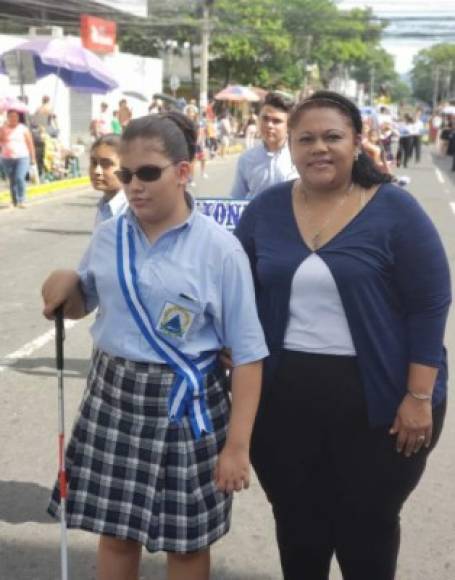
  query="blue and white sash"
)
[{"x": 187, "y": 393}]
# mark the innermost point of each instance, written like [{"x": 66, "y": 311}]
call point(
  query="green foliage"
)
[
  {"x": 433, "y": 73},
  {"x": 270, "y": 43},
  {"x": 400, "y": 91},
  {"x": 248, "y": 42}
]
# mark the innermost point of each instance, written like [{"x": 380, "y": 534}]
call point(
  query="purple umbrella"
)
[{"x": 65, "y": 57}]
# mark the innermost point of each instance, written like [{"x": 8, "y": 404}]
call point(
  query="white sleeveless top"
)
[
  {"x": 15, "y": 145},
  {"x": 317, "y": 320}
]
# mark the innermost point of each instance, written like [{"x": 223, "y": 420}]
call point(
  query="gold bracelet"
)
[{"x": 420, "y": 396}]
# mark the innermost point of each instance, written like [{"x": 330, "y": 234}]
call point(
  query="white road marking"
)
[
  {"x": 29, "y": 348},
  {"x": 439, "y": 175},
  {"x": 452, "y": 206}
]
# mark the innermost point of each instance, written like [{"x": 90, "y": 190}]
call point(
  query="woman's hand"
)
[
  {"x": 57, "y": 288},
  {"x": 232, "y": 471},
  {"x": 413, "y": 425}
]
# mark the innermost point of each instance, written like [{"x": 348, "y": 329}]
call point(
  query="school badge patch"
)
[{"x": 175, "y": 320}]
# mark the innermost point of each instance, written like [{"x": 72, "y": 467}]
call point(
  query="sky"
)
[{"x": 414, "y": 25}]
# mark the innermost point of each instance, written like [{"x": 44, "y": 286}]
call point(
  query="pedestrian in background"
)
[
  {"x": 156, "y": 106},
  {"x": 405, "y": 129},
  {"x": 17, "y": 155},
  {"x": 42, "y": 114},
  {"x": 372, "y": 146},
  {"x": 224, "y": 133},
  {"x": 269, "y": 162},
  {"x": 417, "y": 132},
  {"x": 104, "y": 163},
  {"x": 125, "y": 114},
  {"x": 156, "y": 453},
  {"x": 212, "y": 135},
  {"x": 251, "y": 129},
  {"x": 101, "y": 124},
  {"x": 191, "y": 109},
  {"x": 353, "y": 290},
  {"x": 115, "y": 124}
]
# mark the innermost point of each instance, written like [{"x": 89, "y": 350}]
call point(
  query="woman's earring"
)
[{"x": 356, "y": 155}]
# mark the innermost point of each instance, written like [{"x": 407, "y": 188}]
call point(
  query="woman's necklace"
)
[{"x": 315, "y": 238}]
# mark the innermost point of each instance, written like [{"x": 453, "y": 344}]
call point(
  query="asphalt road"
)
[{"x": 53, "y": 233}]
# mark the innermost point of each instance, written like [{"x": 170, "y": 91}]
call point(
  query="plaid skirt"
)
[{"x": 133, "y": 474}]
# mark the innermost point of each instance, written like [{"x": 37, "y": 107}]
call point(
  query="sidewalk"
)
[{"x": 64, "y": 185}]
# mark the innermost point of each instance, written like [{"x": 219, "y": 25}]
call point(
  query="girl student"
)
[
  {"x": 156, "y": 451},
  {"x": 104, "y": 162}
]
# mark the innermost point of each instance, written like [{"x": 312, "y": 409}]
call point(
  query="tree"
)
[
  {"x": 271, "y": 43},
  {"x": 336, "y": 40},
  {"x": 249, "y": 42},
  {"x": 433, "y": 73}
]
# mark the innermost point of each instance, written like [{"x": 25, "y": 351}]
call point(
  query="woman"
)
[
  {"x": 17, "y": 151},
  {"x": 155, "y": 453},
  {"x": 405, "y": 128},
  {"x": 371, "y": 145},
  {"x": 251, "y": 129},
  {"x": 353, "y": 289}
]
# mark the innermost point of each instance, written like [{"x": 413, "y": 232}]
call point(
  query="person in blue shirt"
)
[
  {"x": 104, "y": 162},
  {"x": 353, "y": 290},
  {"x": 269, "y": 162},
  {"x": 157, "y": 450}
]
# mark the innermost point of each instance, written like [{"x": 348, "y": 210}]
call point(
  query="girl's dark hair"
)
[
  {"x": 176, "y": 133},
  {"x": 110, "y": 139},
  {"x": 364, "y": 171}
]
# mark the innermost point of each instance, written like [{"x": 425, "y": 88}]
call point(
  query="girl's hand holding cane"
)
[{"x": 62, "y": 286}]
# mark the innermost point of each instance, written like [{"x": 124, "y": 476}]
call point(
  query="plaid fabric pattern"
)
[{"x": 134, "y": 475}]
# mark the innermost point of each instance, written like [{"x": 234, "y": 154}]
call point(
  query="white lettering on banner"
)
[{"x": 226, "y": 212}]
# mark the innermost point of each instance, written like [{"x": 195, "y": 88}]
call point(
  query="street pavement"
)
[{"x": 53, "y": 232}]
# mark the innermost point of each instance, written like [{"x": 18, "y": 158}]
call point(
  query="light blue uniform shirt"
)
[
  {"x": 196, "y": 270},
  {"x": 110, "y": 208},
  {"x": 258, "y": 168}
]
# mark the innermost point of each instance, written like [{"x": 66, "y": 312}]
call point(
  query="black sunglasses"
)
[{"x": 144, "y": 173}]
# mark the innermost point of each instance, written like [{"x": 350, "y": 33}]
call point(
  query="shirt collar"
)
[
  {"x": 114, "y": 203},
  {"x": 275, "y": 153}
]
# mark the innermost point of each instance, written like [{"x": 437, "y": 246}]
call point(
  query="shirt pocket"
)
[{"x": 180, "y": 317}]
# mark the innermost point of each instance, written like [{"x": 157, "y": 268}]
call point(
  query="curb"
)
[
  {"x": 64, "y": 184},
  {"x": 46, "y": 188}
]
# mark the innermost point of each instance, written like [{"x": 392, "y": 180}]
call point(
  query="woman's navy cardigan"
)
[{"x": 392, "y": 274}]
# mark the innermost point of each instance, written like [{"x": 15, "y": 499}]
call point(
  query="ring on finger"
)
[{"x": 421, "y": 438}]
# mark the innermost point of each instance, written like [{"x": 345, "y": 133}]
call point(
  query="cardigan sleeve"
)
[
  {"x": 422, "y": 276},
  {"x": 245, "y": 233}
]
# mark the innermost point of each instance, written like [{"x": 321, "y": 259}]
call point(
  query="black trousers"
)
[
  {"x": 416, "y": 147},
  {"x": 336, "y": 485},
  {"x": 404, "y": 150}
]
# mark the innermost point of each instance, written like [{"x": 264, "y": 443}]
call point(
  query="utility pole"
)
[
  {"x": 204, "y": 71},
  {"x": 436, "y": 87},
  {"x": 372, "y": 72}
]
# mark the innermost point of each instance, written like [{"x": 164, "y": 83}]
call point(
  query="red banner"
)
[{"x": 97, "y": 34}]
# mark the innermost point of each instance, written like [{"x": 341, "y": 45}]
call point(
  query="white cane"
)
[{"x": 59, "y": 338}]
